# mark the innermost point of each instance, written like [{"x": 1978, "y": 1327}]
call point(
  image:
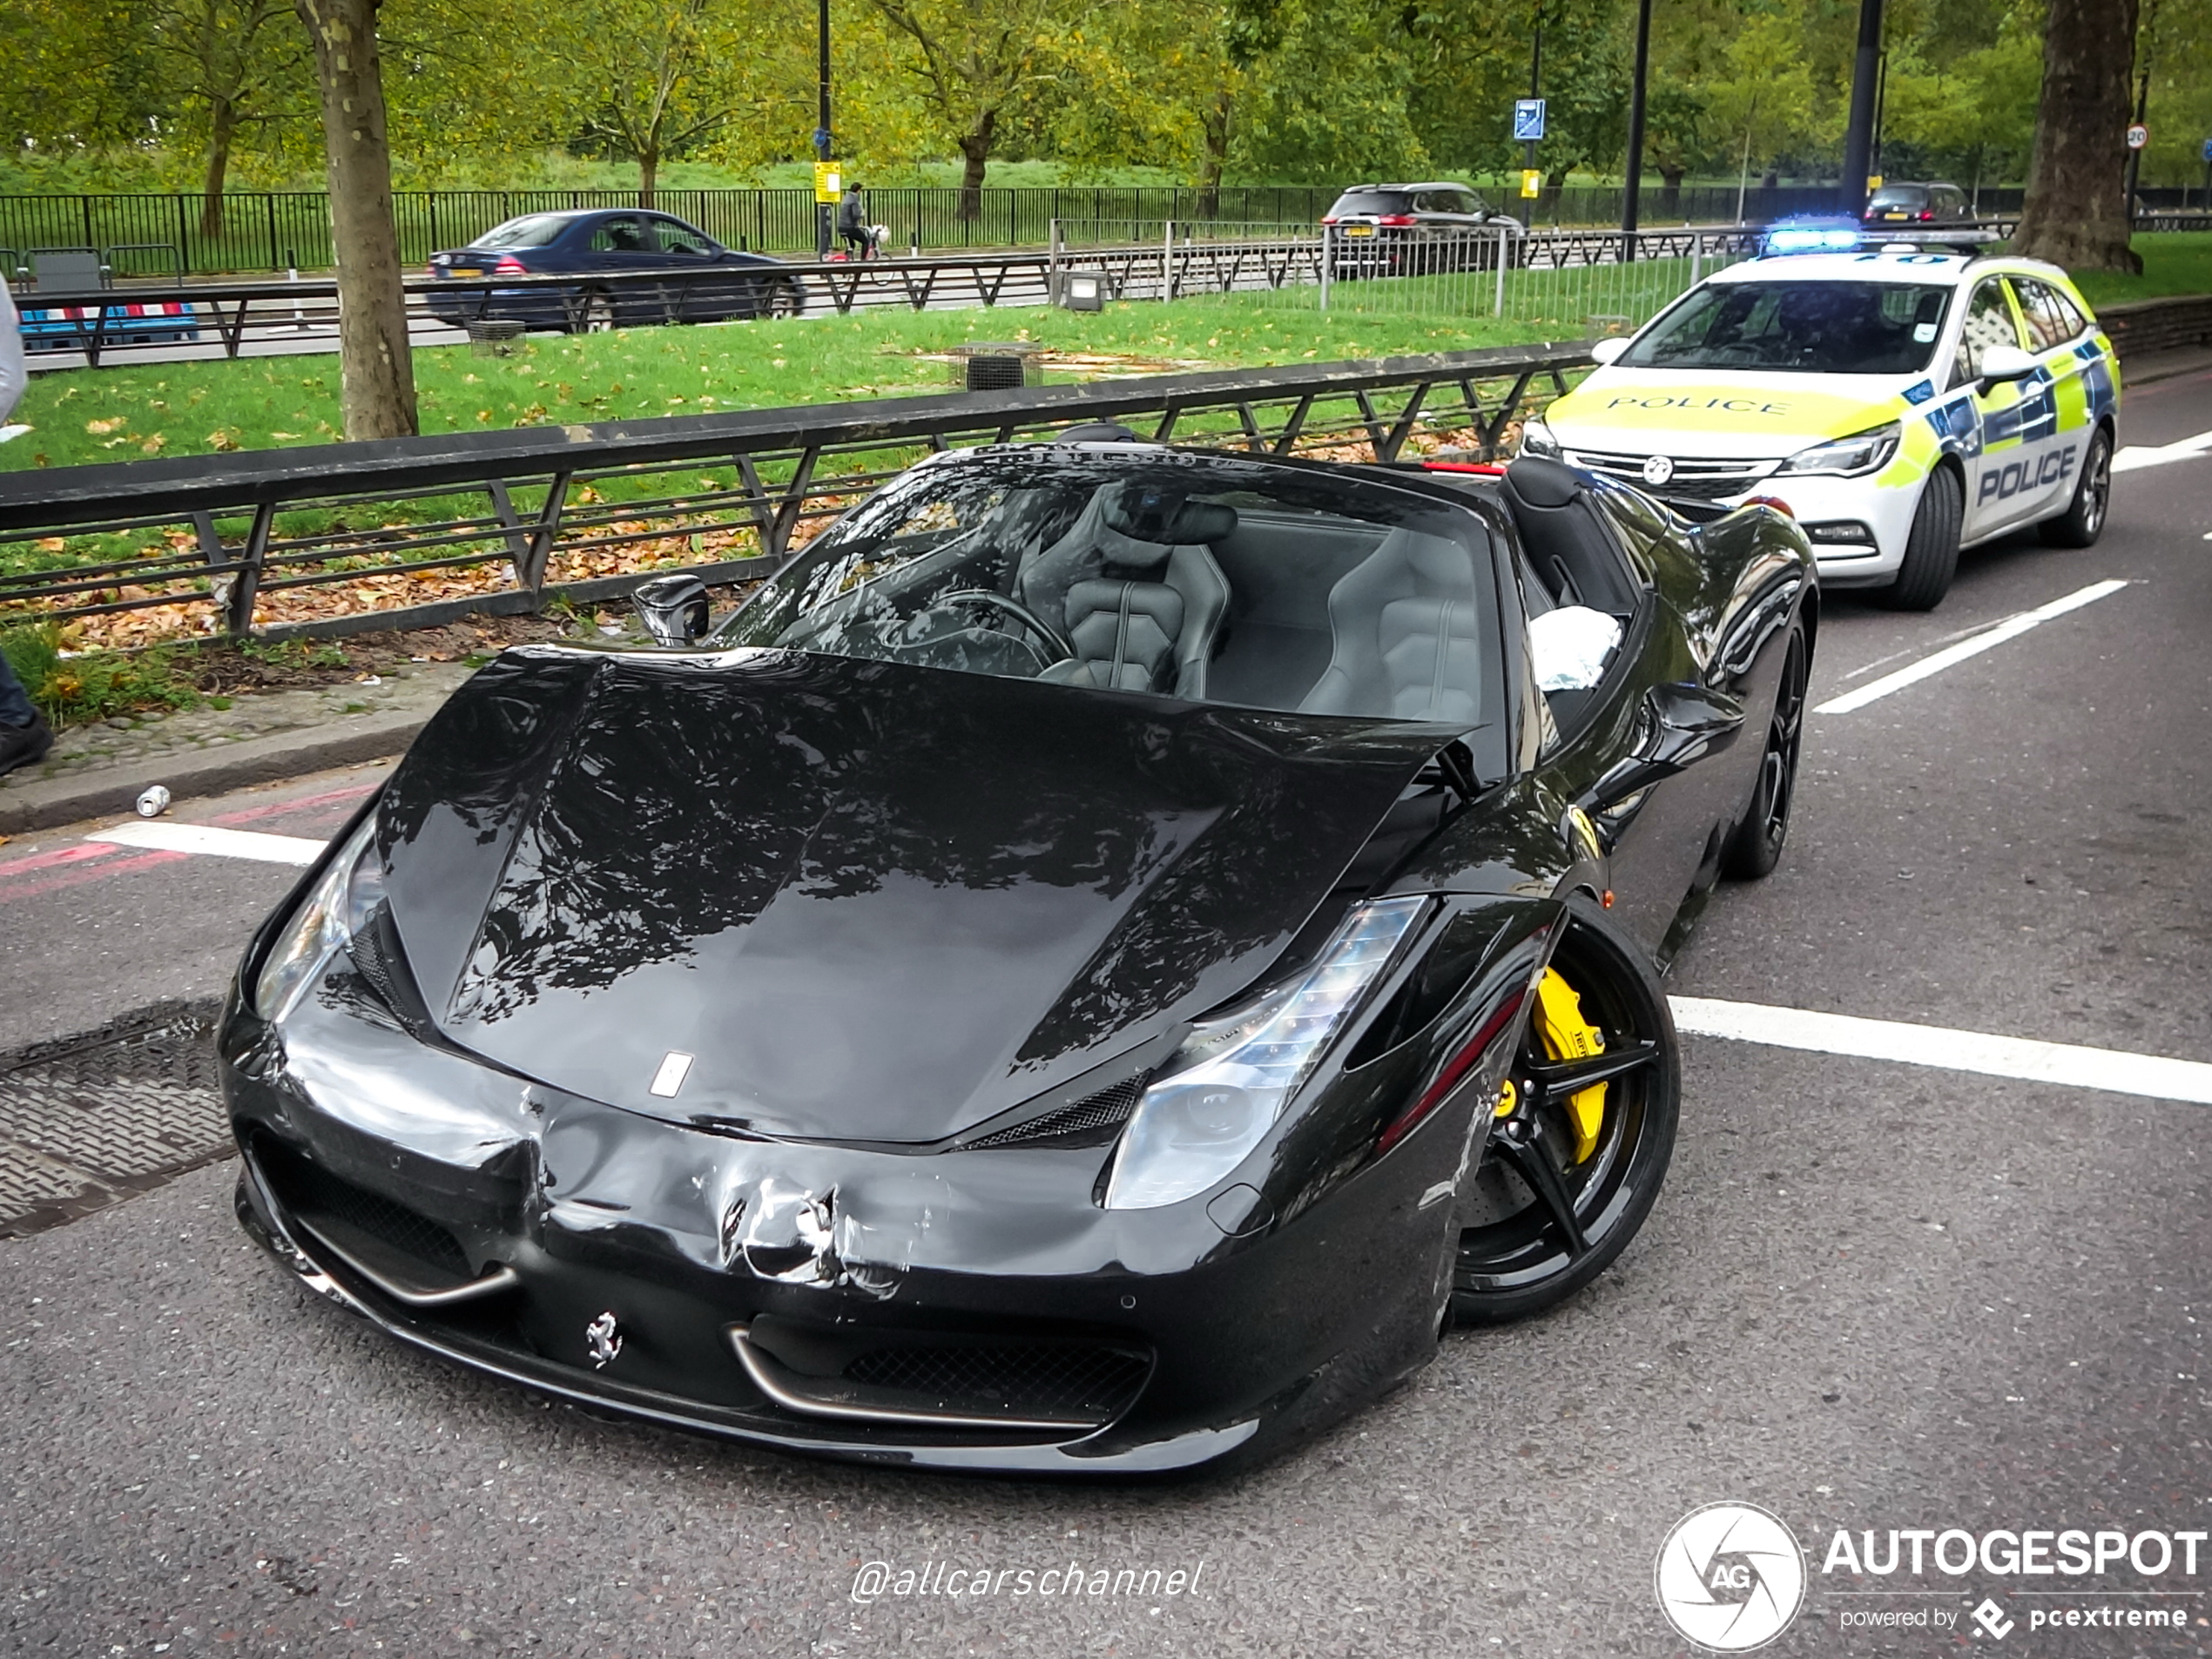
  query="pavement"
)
[
  {"x": 1875, "y": 1297},
  {"x": 207, "y": 751}
]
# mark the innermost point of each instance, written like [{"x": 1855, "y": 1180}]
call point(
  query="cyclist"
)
[{"x": 853, "y": 224}]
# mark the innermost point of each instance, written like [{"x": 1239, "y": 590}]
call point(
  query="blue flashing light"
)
[{"x": 1813, "y": 236}]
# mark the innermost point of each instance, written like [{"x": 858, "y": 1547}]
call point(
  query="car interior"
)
[{"x": 1171, "y": 585}]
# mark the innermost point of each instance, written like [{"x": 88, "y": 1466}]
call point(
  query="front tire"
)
[
  {"x": 784, "y": 300},
  {"x": 1931, "y": 549},
  {"x": 2083, "y": 522},
  {"x": 1756, "y": 848},
  {"x": 1538, "y": 1221}
]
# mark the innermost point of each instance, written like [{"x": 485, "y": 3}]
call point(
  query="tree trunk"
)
[
  {"x": 223, "y": 129},
  {"x": 1211, "y": 159},
  {"x": 1670, "y": 189},
  {"x": 2076, "y": 212},
  {"x": 975, "y": 155},
  {"x": 376, "y": 374},
  {"x": 648, "y": 173}
]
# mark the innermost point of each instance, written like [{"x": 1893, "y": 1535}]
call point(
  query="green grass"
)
[
  {"x": 74, "y": 691},
  {"x": 81, "y": 416},
  {"x": 2174, "y": 262}
]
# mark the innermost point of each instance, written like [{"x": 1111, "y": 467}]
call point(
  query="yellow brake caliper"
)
[{"x": 1567, "y": 1035}]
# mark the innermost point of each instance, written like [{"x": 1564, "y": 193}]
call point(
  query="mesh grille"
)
[
  {"x": 318, "y": 1191},
  {"x": 1102, "y": 1110},
  {"x": 1039, "y": 1381}
]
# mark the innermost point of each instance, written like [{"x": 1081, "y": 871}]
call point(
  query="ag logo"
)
[{"x": 1729, "y": 1577}]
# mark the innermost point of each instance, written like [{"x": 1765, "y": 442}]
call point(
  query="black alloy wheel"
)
[
  {"x": 2084, "y": 518},
  {"x": 784, "y": 301},
  {"x": 1537, "y": 1224},
  {"x": 596, "y": 315},
  {"x": 1756, "y": 848},
  {"x": 1932, "y": 549}
]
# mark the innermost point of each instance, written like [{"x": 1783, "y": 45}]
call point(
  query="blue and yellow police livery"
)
[{"x": 1904, "y": 403}]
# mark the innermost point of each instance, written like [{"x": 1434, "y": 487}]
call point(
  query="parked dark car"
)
[
  {"x": 1088, "y": 970},
  {"x": 1413, "y": 230},
  {"x": 1914, "y": 204},
  {"x": 616, "y": 252}
]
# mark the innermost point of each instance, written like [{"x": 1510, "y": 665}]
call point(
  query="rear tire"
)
[
  {"x": 1756, "y": 848},
  {"x": 1931, "y": 549},
  {"x": 594, "y": 316},
  {"x": 2083, "y": 522},
  {"x": 1520, "y": 1256}
]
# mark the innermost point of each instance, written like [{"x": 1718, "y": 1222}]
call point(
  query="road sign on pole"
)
[
  {"x": 2208, "y": 150},
  {"x": 2138, "y": 136},
  {"x": 1527, "y": 120}
]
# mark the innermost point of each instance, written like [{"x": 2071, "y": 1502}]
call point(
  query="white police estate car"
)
[{"x": 1903, "y": 402}]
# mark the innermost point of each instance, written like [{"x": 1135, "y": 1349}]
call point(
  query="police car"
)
[{"x": 1904, "y": 401}]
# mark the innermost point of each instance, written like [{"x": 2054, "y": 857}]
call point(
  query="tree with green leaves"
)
[
  {"x": 376, "y": 371},
  {"x": 238, "y": 64},
  {"x": 2076, "y": 213}
]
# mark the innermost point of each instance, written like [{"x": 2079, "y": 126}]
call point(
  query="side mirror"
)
[
  {"x": 2001, "y": 363},
  {"x": 1609, "y": 348},
  {"x": 674, "y": 609},
  {"x": 1682, "y": 725}
]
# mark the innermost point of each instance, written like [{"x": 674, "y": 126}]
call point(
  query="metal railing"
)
[{"x": 220, "y": 540}]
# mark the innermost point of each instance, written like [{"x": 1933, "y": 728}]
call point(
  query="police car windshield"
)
[{"x": 1798, "y": 327}]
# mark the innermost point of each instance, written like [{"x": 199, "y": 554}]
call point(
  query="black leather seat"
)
[
  {"x": 1405, "y": 635},
  {"x": 1135, "y": 590},
  {"x": 1567, "y": 546}
]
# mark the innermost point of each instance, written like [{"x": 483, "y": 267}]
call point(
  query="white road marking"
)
[
  {"x": 2012, "y": 628},
  {"x": 2137, "y": 456},
  {"x": 2111, "y": 1070},
  {"x": 206, "y": 838}
]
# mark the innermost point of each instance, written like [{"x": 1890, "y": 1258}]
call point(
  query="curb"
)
[{"x": 54, "y": 801}]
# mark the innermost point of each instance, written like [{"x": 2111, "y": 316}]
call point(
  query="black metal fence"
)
[
  {"x": 159, "y": 235},
  {"x": 218, "y": 538}
]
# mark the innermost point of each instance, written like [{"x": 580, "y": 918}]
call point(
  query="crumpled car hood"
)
[{"x": 869, "y": 901}]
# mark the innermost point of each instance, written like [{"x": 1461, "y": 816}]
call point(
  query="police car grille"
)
[{"x": 1707, "y": 480}]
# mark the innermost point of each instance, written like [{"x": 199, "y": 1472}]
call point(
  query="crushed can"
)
[{"x": 154, "y": 801}]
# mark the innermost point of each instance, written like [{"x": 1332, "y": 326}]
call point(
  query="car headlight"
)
[
  {"x": 1536, "y": 440},
  {"x": 1231, "y": 1080},
  {"x": 1861, "y": 452},
  {"x": 348, "y": 888}
]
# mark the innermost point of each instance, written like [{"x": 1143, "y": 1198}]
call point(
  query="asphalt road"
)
[{"x": 1874, "y": 1296}]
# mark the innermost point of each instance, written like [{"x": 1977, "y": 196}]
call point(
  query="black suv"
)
[
  {"x": 1913, "y": 204},
  {"x": 1412, "y": 230}
]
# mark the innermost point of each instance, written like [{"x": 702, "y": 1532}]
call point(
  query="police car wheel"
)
[
  {"x": 2084, "y": 518},
  {"x": 1932, "y": 550}
]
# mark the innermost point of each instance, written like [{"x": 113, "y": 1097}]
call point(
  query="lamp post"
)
[
  {"x": 822, "y": 209},
  {"x": 1631, "y": 200},
  {"x": 1858, "y": 138}
]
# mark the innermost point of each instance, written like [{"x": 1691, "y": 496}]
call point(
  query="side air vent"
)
[{"x": 1086, "y": 1122}]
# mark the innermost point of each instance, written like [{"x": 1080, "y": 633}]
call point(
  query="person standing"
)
[{"x": 24, "y": 736}]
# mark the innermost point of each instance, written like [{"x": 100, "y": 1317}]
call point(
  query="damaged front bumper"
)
[{"x": 973, "y": 1310}]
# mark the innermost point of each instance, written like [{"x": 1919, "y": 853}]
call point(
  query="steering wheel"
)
[{"x": 1013, "y": 608}]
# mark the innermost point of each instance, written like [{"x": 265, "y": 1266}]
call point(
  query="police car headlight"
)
[
  {"x": 1861, "y": 452},
  {"x": 1536, "y": 440}
]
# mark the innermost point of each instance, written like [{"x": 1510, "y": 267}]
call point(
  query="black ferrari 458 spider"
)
[{"x": 1091, "y": 970}]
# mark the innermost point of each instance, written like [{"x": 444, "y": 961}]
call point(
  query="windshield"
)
[
  {"x": 1369, "y": 201},
  {"x": 1802, "y": 327},
  {"x": 1204, "y": 578},
  {"x": 532, "y": 230}
]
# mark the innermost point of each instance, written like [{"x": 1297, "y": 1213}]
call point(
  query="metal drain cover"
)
[{"x": 88, "y": 1120}]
